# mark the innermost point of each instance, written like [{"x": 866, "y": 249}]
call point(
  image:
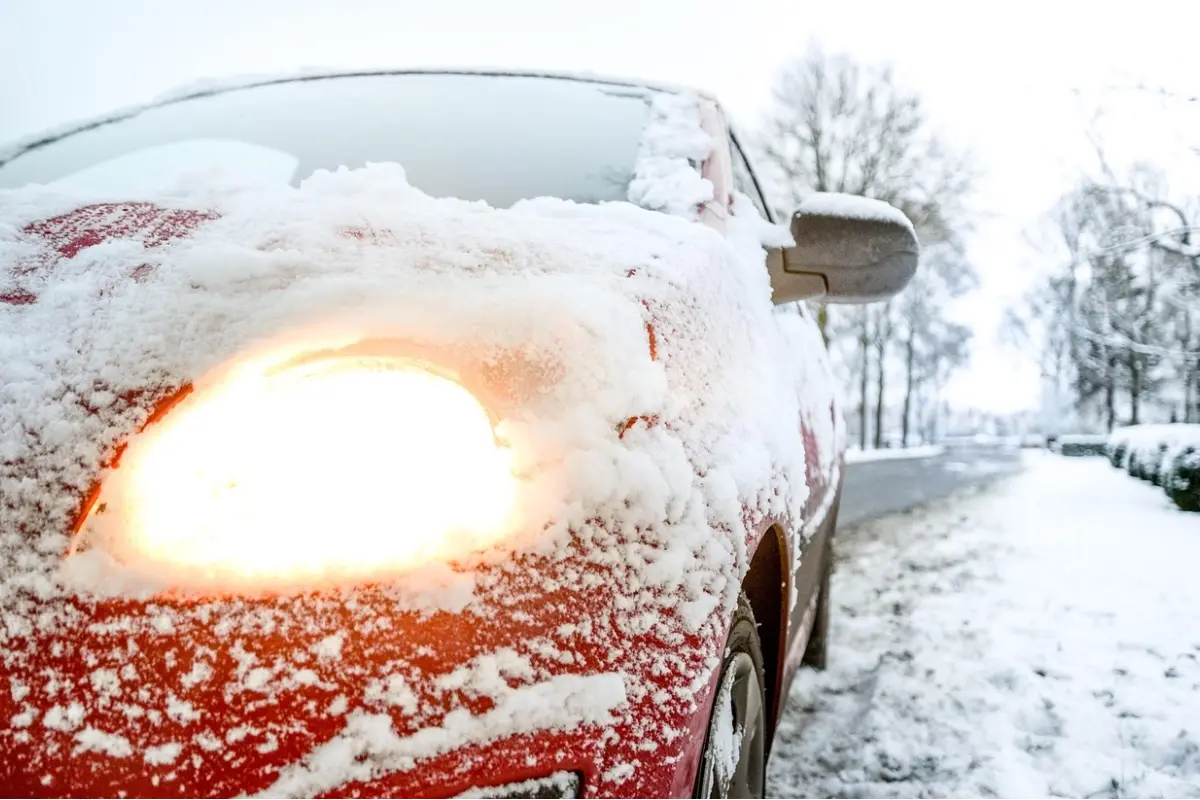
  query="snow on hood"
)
[{"x": 276, "y": 269}]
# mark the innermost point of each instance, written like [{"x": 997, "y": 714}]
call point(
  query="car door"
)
[{"x": 813, "y": 377}]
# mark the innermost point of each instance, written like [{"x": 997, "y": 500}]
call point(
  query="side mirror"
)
[{"x": 848, "y": 250}]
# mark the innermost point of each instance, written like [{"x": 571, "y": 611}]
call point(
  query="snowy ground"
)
[{"x": 1037, "y": 638}]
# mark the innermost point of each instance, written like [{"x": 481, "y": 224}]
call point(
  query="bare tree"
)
[
  {"x": 925, "y": 335},
  {"x": 837, "y": 125},
  {"x": 1126, "y": 295},
  {"x": 882, "y": 323}
]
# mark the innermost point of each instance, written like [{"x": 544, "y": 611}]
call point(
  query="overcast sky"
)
[{"x": 1014, "y": 81}]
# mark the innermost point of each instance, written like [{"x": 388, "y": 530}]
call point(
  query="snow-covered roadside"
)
[
  {"x": 855, "y": 456},
  {"x": 1039, "y": 638}
]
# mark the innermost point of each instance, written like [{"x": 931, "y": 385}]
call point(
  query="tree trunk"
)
[
  {"x": 864, "y": 385},
  {"x": 880, "y": 365},
  {"x": 1110, "y": 405},
  {"x": 908, "y": 388},
  {"x": 1193, "y": 409},
  {"x": 1187, "y": 397},
  {"x": 1135, "y": 389}
]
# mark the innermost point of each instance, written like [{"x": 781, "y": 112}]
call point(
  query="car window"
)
[
  {"x": 743, "y": 178},
  {"x": 496, "y": 138}
]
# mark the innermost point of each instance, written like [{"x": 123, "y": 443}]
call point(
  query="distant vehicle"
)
[{"x": 328, "y": 486}]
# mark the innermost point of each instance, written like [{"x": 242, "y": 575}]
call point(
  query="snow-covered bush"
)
[
  {"x": 1181, "y": 480},
  {"x": 1081, "y": 444},
  {"x": 1167, "y": 455}
]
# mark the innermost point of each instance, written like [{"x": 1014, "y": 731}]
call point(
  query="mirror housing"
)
[{"x": 848, "y": 249}]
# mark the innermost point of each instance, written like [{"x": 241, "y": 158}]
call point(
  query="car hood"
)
[{"x": 615, "y": 347}]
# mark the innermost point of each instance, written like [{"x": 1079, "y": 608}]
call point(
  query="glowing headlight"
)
[{"x": 341, "y": 468}]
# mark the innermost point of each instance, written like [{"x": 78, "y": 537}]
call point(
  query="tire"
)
[
  {"x": 816, "y": 652},
  {"x": 740, "y": 703}
]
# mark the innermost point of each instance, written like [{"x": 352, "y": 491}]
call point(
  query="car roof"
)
[{"x": 212, "y": 87}]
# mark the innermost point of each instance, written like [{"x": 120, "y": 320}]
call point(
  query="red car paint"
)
[{"x": 531, "y": 601}]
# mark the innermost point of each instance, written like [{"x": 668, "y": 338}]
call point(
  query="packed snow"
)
[
  {"x": 1039, "y": 638},
  {"x": 633, "y": 362},
  {"x": 663, "y": 180},
  {"x": 848, "y": 206}
]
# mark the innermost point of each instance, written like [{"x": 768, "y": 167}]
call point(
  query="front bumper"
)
[{"x": 353, "y": 694}]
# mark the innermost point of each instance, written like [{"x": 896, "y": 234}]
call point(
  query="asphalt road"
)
[{"x": 875, "y": 488}]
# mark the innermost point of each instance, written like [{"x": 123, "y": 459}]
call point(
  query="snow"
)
[
  {"x": 1037, "y": 639},
  {"x": 569, "y": 258},
  {"x": 97, "y": 741},
  {"x": 855, "y": 455},
  {"x": 1150, "y": 443},
  {"x": 648, "y": 418},
  {"x": 726, "y": 736},
  {"x": 163, "y": 753},
  {"x": 394, "y": 691},
  {"x": 330, "y": 647},
  {"x": 665, "y": 177},
  {"x": 369, "y": 747},
  {"x": 66, "y": 718},
  {"x": 1143, "y": 436},
  {"x": 848, "y": 206}
]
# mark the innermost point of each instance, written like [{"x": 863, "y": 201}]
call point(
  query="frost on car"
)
[{"x": 342, "y": 484}]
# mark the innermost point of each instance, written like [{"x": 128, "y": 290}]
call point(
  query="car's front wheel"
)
[{"x": 734, "y": 763}]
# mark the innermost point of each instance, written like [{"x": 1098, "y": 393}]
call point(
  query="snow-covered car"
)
[{"x": 511, "y": 469}]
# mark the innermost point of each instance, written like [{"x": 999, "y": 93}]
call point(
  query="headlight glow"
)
[{"x": 334, "y": 469}]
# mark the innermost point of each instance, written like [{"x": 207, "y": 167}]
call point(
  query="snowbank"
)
[
  {"x": 856, "y": 456},
  {"x": 1034, "y": 640}
]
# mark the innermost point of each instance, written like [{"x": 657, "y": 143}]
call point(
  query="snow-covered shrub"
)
[
  {"x": 1181, "y": 480},
  {"x": 1117, "y": 452},
  {"x": 1156, "y": 467},
  {"x": 1163, "y": 454},
  {"x": 1081, "y": 444}
]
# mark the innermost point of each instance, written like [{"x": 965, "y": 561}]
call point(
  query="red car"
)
[{"x": 511, "y": 470}]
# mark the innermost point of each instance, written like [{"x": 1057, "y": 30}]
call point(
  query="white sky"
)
[{"x": 1000, "y": 77}]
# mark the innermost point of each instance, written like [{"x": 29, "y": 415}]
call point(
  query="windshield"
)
[{"x": 478, "y": 137}]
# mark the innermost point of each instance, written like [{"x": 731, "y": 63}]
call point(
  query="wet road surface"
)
[{"x": 875, "y": 488}]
